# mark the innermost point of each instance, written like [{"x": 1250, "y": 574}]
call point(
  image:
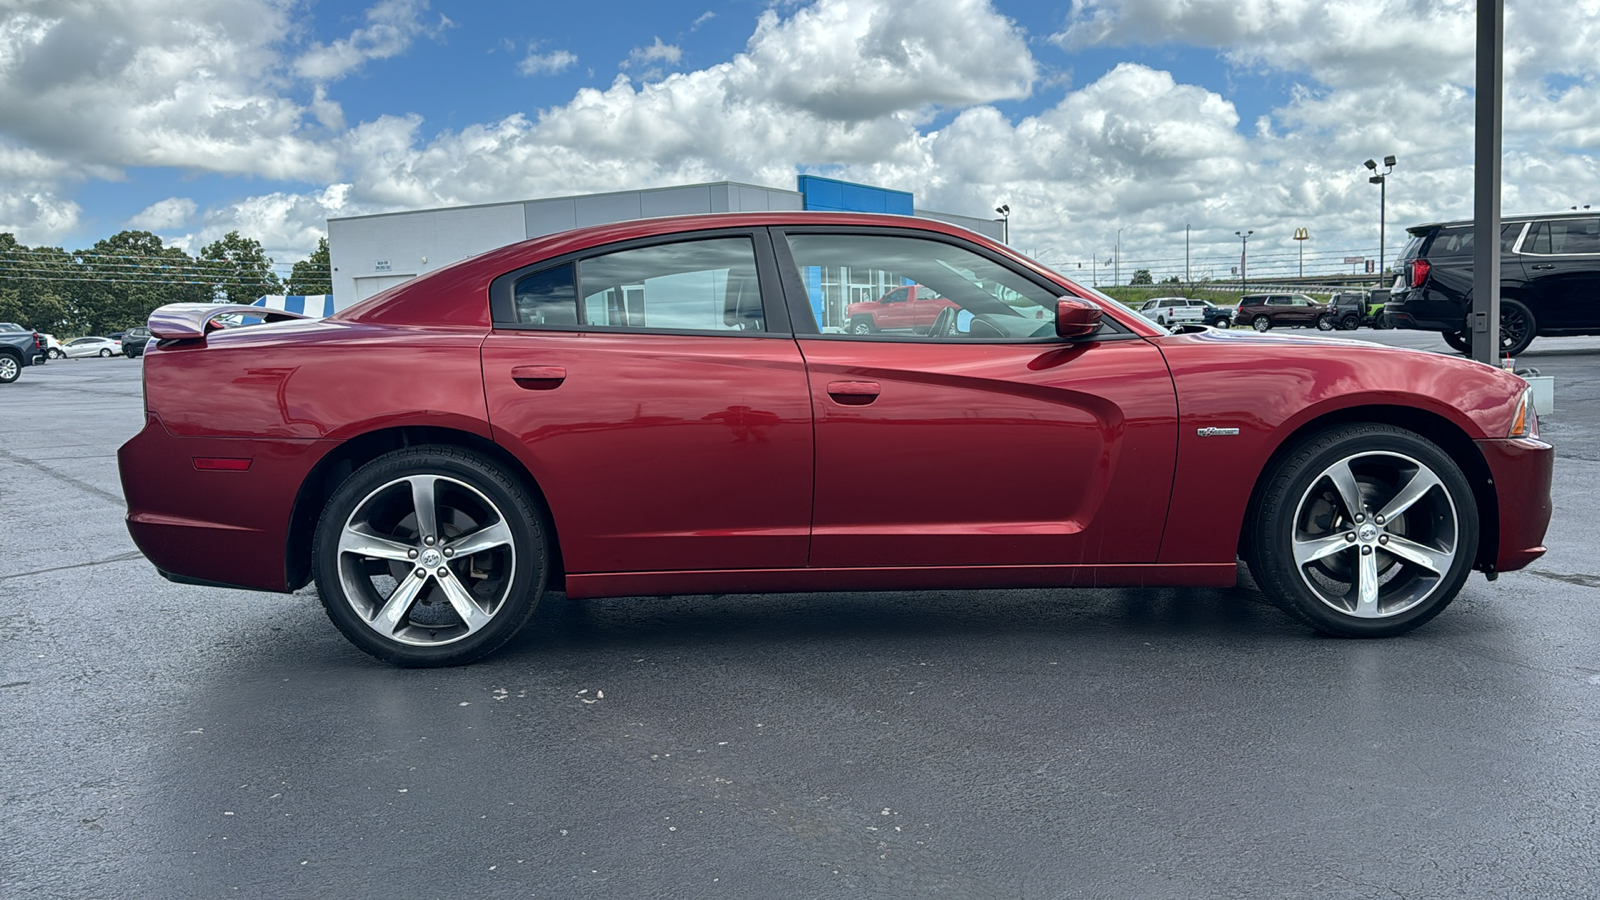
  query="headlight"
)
[{"x": 1525, "y": 424}]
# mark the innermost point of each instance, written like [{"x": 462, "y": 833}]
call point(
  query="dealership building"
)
[{"x": 373, "y": 253}]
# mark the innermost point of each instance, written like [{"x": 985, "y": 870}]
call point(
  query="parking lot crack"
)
[
  {"x": 65, "y": 479},
  {"x": 121, "y": 557},
  {"x": 1591, "y": 581}
]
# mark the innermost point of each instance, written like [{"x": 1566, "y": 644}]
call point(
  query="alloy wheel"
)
[
  {"x": 426, "y": 560},
  {"x": 1375, "y": 534}
]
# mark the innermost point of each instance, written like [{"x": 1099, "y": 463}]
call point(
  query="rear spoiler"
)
[{"x": 186, "y": 321}]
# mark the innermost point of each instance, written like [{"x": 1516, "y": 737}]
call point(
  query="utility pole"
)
[{"x": 1186, "y": 279}]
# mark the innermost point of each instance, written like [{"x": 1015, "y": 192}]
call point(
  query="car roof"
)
[{"x": 1508, "y": 220}]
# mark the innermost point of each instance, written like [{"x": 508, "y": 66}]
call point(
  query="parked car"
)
[
  {"x": 19, "y": 348},
  {"x": 52, "y": 347},
  {"x": 650, "y": 407},
  {"x": 91, "y": 346},
  {"x": 912, "y": 308},
  {"x": 1549, "y": 278},
  {"x": 1165, "y": 311},
  {"x": 1266, "y": 311},
  {"x": 134, "y": 340},
  {"x": 1216, "y": 315},
  {"x": 1353, "y": 309}
]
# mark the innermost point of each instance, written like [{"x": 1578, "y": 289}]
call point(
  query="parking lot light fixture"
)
[
  {"x": 1381, "y": 179},
  {"x": 1244, "y": 256},
  {"x": 1004, "y": 210}
]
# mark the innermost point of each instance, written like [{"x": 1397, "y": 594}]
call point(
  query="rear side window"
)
[
  {"x": 547, "y": 298},
  {"x": 1457, "y": 240},
  {"x": 708, "y": 285},
  {"x": 1563, "y": 237}
]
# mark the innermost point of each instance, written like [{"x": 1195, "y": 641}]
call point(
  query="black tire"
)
[
  {"x": 105, "y": 352},
  {"x": 1350, "y": 322},
  {"x": 1261, "y": 323},
  {"x": 471, "y": 497},
  {"x": 1325, "y": 322},
  {"x": 862, "y": 325},
  {"x": 1518, "y": 327},
  {"x": 1457, "y": 341},
  {"x": 1301, "y": 506},
  {"x": 10, "y": 368}
]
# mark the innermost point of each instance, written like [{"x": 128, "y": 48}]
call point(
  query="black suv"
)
[{"x": 1549, "y": 278}]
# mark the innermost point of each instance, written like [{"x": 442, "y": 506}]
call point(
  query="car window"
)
[
  {"x": 1149, "y": 304},
  {"x": 977, "y": 297},
  {"x": 896, "y": 296},
  {"x": 1456, "y": 240},
  {"x": 1564, "y": 236},
  {"x": 704, "y": 285}
]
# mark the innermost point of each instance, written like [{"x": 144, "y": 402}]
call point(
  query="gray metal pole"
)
[
  {"x": 1383, "y": 221},
  {"x": 1186, "y": 277},
  {"x": 1484, "y": 323}
]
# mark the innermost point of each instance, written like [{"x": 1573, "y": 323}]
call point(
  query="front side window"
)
[{"x": 959, "y": 294}]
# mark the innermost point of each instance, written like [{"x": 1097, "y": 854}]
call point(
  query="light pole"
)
[
  {"x": 1301, "y": 235},
  {"x": 1381, "y": 179},
  {"x": 1244, "y": 257},
  {"x": 1186, "y": 278},
  {"x": 1004, "y": 210}
]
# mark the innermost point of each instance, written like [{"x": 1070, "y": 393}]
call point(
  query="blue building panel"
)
[{"x": 830, "y": 195}]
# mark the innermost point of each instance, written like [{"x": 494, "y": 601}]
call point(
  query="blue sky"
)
[{"x": 194, "y": 117}]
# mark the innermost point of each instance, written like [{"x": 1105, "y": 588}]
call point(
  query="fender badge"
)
[{"x": 1216, "y": 432}]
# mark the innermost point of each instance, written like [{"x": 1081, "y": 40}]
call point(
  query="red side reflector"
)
[{"x": 221, "y": 464}]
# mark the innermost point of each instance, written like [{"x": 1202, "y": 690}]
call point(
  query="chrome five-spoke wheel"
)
[
  {"x": 1375, "y": 534},
  {"x": 429, "y": 556},
  {"x": 1364, "y": 530}
]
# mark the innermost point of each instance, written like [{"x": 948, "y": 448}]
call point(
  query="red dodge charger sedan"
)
[{"x": 661, "y": 406}]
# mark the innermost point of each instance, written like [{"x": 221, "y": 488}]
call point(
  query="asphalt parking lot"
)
[{"x": 165, "y": 741}]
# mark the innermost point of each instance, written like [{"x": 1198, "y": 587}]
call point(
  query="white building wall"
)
[{"x": 369, "y": 254}]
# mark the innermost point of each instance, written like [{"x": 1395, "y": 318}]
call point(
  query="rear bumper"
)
[
  {"x": 1425, "y": 310},
  {"x": 1520, "y": 470},
  {"x": 214, "y": 527}
]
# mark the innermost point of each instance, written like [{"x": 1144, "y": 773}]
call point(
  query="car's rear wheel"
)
[
  {"x": 1350, "y": 322},
  {"x": 861, "y": 326},
  {"x": 430, "y": 556},
  {"x": 1364, "y": 531},
  {"x": 10, "y": 369},
  {"x": 105, "y": 353},
  {"x": 54, "y": 353},
  {"x": 1457, "y": 341},
  {"x": 1518, "y": 327},
  {"x": 1261, "y": 323}
]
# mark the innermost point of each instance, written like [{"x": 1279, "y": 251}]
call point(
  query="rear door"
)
[
  {"x": 994, "y": 443},
  {"x": 1561, "y": 260},
  {"x": 655, "y": 392}
]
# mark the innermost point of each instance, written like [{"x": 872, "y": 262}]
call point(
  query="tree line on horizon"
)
[{"x": 119, "y": 281}]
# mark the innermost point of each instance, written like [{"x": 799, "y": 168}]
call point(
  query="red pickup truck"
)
[{"x": 910, "y": 308}]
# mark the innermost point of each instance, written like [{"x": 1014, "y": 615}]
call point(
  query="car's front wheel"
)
[
  {"x": 1364, "y": 530},
  {"x": 105, "y": 353},
  {"x": 861, "y": 326},
  {"x": 1325, "y": 323},
  {"x": 1261, "y": 323},
  {"x": 430, "y": 556}
]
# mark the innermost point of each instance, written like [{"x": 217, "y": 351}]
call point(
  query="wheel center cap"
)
[
  {"x": 430, "y": 558},
  {"x": 1367, "y": 533}
]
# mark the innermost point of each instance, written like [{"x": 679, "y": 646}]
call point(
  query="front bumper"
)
[{"x": 1520, "y": 472}]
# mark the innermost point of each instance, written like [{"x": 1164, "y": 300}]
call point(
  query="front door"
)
[{"x": 990, "y": 441}]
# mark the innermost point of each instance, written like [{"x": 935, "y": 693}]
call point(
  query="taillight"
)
[{"x": 1419, "y": 272}]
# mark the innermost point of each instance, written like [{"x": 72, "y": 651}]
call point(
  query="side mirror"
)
[{"x": 1075, "y": 318}]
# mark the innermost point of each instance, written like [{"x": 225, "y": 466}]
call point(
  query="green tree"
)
[
  {"x": 1141, "y": 276},
  {"x": 35, "y": 284},
  {"x": 1172, "y": 279},
  {"x": 314, "y": 275},
  {"x": 242, "y": 270},
  {"x": 128, "y": 275}
]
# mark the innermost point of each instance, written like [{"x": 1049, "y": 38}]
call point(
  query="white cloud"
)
[
  {"x": 546, "y": 63},
  {"x": 391, "y": 27},
  {"x": 166, "y": 215}
]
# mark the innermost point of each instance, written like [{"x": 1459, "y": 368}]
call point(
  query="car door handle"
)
[
  {"x": 1545, "y": 266},
  {"x": 854, "y": 393},
  {"x": 538, "y": 378}
]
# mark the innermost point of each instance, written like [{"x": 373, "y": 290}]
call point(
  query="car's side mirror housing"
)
[{"x": 1075, "y": 318}]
